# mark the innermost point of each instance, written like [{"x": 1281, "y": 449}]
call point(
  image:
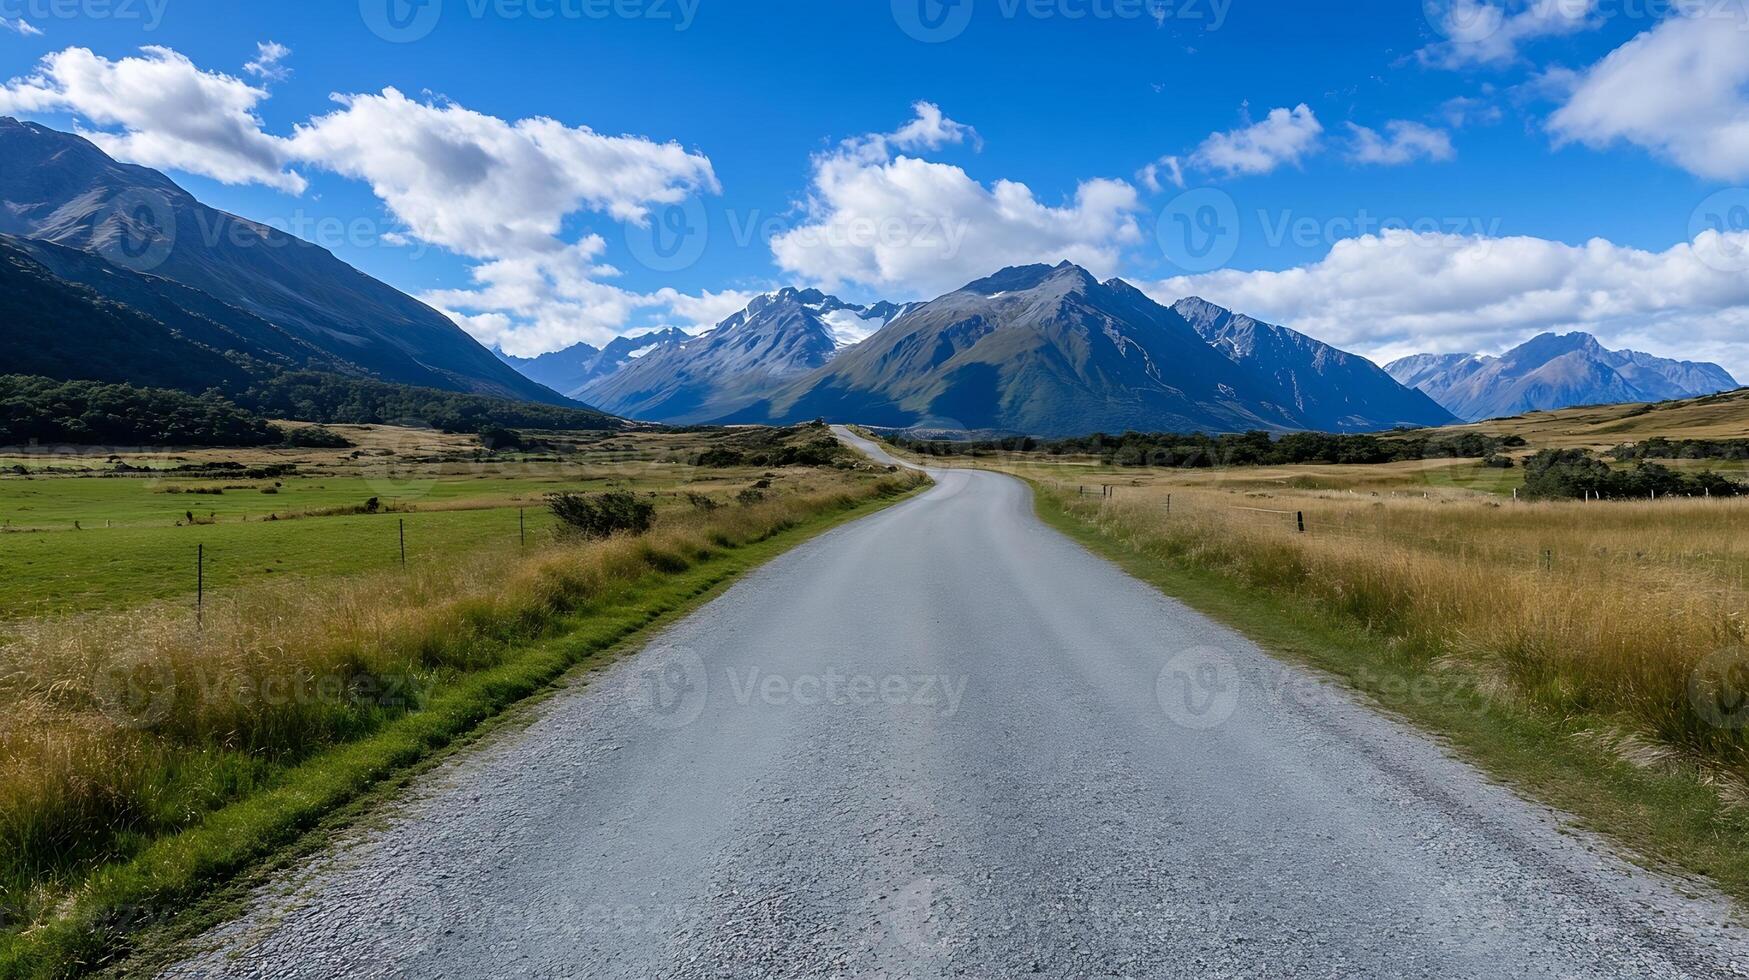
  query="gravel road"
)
[{"x": 946, "y": 741}]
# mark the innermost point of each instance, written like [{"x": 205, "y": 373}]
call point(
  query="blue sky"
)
[{"x": 1547, "y": 164}]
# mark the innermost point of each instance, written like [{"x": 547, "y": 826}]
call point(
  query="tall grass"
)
[
  {"x": 123, "y": 728},
  {"x": 1633, "y": 614}
]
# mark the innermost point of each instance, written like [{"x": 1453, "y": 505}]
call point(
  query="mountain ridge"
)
[
  {"x": 1554, "y": 371},
  {"x": 62, "y": 190}
]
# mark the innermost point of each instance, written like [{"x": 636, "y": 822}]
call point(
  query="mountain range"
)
[
  {"x": 1553, "y": 371},
  {"x": 129, "y": 234},
  {"x": 1044, "y": 350},
  {"x": 112, "y": 272},
  {"x": 571, "y": 370},
  {"x": 780, "y": 337}
]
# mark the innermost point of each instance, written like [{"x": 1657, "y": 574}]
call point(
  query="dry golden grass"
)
[
  {"x": 1722, "y": 416},
  {"x": 1612, "y": 610},
  {"x": 122, "y": 727}
]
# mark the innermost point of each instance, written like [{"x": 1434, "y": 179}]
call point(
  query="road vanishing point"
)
[{"x": 946, "y": 741}]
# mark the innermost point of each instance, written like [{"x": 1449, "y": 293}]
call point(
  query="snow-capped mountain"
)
[
  {"x": 1554, "y": 371},
  {"x": 570, "y": 370},
  {"x": 780, "y": 336},
  {"x": 1037, "y": 349}
]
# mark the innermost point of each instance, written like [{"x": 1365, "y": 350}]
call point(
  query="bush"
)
[
  {"x": 1570, "y": 474},
  {"x": 497, "y": 438},
  {"x": 598, "y": 515}
]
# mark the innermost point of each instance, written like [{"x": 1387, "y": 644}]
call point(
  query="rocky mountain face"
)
[
  {"x": 1331, "y": 389},
  {"x": 780, "y": 336},
  {"x": 571, "y": 370},
  {"x": 61, "y": 190},
  {"x": 1554, "y": 371},
  {"x": 1037, "y": 349}
]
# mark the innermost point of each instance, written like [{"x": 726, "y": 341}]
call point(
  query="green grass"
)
[
  {"x": 1667, "y": 816},
  {"x": 99, "y": 923},
  {"x": 130, "y": 550}
]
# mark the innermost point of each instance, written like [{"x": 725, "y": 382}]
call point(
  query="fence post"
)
[
  {"x": 1168, "y": 505},
  {"x": 1300, "y": 516},
  {"x": 403, "y": 542},
  {"x": 199, "y": 586},
  {"x": 522, "y": 526}
]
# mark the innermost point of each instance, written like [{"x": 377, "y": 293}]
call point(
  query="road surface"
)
[{"x": 946, "y": 741}]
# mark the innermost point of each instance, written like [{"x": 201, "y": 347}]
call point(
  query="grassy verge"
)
[
  {"x": 561, "y": 610},
  {"x": 1667, "y": 810}
]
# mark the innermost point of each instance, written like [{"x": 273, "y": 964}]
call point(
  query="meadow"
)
[{"x": 149, "y": 750}]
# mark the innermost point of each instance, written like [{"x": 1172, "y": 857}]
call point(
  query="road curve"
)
[{"x": 946, "y": 741}]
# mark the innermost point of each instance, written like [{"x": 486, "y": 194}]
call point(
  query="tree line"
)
[{"x": 1199, "y": 450}]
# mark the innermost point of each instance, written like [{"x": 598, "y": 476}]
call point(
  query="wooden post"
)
[
  {"x": 522, "y": 526},
  {"x": 403, "y": 542},
  {"x": 1168, "y": 505},
  {"x": 199, "y": 586},
  {"x": 1300, "y": 516}
]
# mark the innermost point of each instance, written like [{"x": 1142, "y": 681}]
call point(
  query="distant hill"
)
[
  {"x": 60, "y": 190},
  {"x": 1724, "y": 415},
  {"x": 1554, "y": 371},
  {"x": 1332, "y": 390}
]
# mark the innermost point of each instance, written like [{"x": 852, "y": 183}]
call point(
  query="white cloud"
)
[
  {"x": 486, "y": 187},
  {"x": 20, "y": 26},
  {"x": 1168, "y": 166},
  {"x": 269, "y": 63},
  {"x": 1405, "y": 142},
  {"x": 1405, "y": 292},
  {"x": 1465, "y": 110},
  {"x": 501, "y": 192},
  {"x": 1481, "y": 32},
  {"x": 171, "y": 114},
  {"x": 1678, "y": 90},
  {"x": 1285, "y": 136},
  {"x": 913, "y": 227}
]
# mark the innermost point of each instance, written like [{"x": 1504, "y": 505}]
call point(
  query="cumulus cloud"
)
[
  {"x": 1403, "y": 142},
  {"x": 914, "y": 227},
  {"x": 1285, "y": 136},
  {"x": 170, "y": 113},
  {"x": 269, "y": 63},
  {"x": 1678, "y": 90},
  {"x": 1403, "y": 292},
  {"x": 501, "y": 192},
  {"x": 486, "y": 187},
  {"x": 1482, "y": 32}
]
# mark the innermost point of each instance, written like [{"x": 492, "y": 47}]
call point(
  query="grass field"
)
[
  {"x": 80, "y": 538},
  {"x": 146, "y": 755}
]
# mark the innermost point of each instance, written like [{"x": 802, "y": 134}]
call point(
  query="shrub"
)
[
  {"x": 315, "y": 437},
  {"x": 598, "y": 515}
]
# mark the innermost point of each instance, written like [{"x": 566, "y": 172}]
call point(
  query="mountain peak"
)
[{"x": 1021, "y": 278}]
